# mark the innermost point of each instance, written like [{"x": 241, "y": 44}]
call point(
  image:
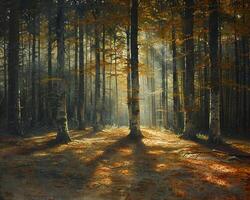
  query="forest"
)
[{"x": 124, "y": 99}]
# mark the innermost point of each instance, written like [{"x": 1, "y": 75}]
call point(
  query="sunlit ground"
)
[{"x": 107, "y": 165}]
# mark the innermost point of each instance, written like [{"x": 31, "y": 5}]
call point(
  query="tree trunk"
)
[
  {"x": 129, "y": 80},
  {"x": 163, "y": 86},
  {"x": 62, "y": 122},
  {"x": 176, "y": 101},
  {"x": 214, "y": 135},
  {"x": 152, "y": 80},
  {"x": 80, "y": 110},
  {"x": 33, "y": 75},
  {"x": 189, "y": 123},
  {"x": 13, "y": 67},
  {"x": 5, "y": 78},
  {"x": 103, "y": 77},
  {"x": 135, "y": 124},
  {"x": 50, "y": 83},
  {"x": 116, "y": 84},
  {"x": 76, "y": 70},
  {"x": 97, "y": 108}
]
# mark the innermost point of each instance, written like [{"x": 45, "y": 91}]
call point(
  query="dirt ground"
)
[{"x": 107, "y": 165}]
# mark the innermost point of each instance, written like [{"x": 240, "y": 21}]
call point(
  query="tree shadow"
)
[
  {"x": 32, "y": 149},
  {"x": 146, "y": 182},
  {"x": 224, "y": 148}
]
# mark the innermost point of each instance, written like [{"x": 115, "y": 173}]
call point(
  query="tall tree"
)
[
  {"x": 97, "y": 110},
  {"x": 129, "y": 79},
  {"x": 215, "y": 133},
  {"x": 103, "y": 76},
  {"x": 13, "y": 68},
  {"x": 34, "y": 72},
  {"x": 50, "y": 84},
  {"x": 188, "y": 24},
  {"x": 135, "y": 121},
  {"x": 62, "y": 121},
  {"x": 81, "y": 92}
]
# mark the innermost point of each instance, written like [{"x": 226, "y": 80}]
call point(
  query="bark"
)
[
  {"x": 13, "y": 68},
  {"x": 62, "y": 122},
  {"x": 163, "y": 85},
  {"x": 103, "y": 77},
  {"x": 5, "y": 78},
  {"x": 80, "y": 110},
  {"x": 39, "y": 87},
  {"x": 152, "y": 80},
  {"x": 206, "y": 84},
  {"x": 110, "y": 85},
  {"x": 76, "y": 70},
  {"x": 97, "y": 107},
  {"x": 50, "y": 83},
  {"x": 116, "y": 84},
  {"x": 215, "y": 133},
  {"x": 135, "y": 124},
  {"x": 176, "y": 96},
  {"x": 129, "y": 80},
  {"x": 34, "y": 76},
  {"x": 189, "y": 123}
]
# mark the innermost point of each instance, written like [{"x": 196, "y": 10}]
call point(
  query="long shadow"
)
[
  {"x": 224, "y": 148},
  {"x": 30, "y": 150},
  {"x": 146, "y": 181},
  {"x": 109, "y": 151}
]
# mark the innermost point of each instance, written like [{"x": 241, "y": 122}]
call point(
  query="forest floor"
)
[{"x": 108, "y": 165}]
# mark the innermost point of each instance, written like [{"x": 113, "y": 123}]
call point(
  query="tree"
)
[
  {"x": 135, "y": 121},
  {"x": 50, "y": 84},
  {"x": 97, "y": 110},
  {"x": 81, "y": 92},
  {"x": 215, "y": 133},
  {"x": 62, "y": 121},
  {"x": 13, "y": 68},
  {"x": 188, "y": 24}
]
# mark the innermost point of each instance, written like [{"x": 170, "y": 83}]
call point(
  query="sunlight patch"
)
[
  {"x": 216, "y": 180},
  {"x": 156, "y": 152},
  {"x": 125, "y": 151},
  {"x": 161, "y": 167},
  {"x": 102, "y": 171},
  {"x": 40, "y": 154},
  {"x": 222, "y": 168}
]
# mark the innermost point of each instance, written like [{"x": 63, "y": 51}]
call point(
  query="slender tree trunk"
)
[
  {"x": 50, "y": 82},
  {"x": 80, "y": 110},
  {"x": 116, "y": 85},
  {"x": 34, "y": 76},
  {"x": 76, "y": 70},
  {"x": 135, "y": 125},
  {"x": 97, "y": 108},
  {"x": 176, "y": 102},
  {"x": 163, "y": 85},
  {"x": 5, "y": 78},
  {"x": 103, "y": 77},
  {"x": 62, "y": 121},
  {"x": 166, "y": 75},
  {"x": 39, "y": 86},
  {"x": 129, "y": 80},
  {"x": 13, "y": 68},
  {"x": 206, "y": 83},
  {"x": 189, "y": 123},
  {"x": 214, "y": 135},
  {"x": 152, "y": 80},
  {"x": 110, "y": 84}
]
